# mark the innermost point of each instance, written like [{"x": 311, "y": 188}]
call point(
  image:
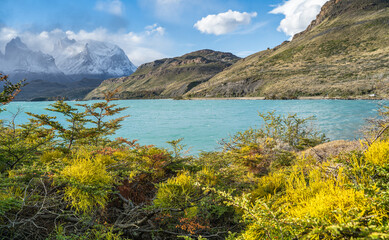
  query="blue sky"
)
[{"x": 152, "y": 29}]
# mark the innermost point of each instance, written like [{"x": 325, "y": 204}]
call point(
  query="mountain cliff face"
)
[
  {"x": 77, "y": 67},
  {"x": 92, "y": 59},
  {"x": 21, "y": 62},
  {"x": 343, "y": 53},
  {"x": 170, "y": 77}
]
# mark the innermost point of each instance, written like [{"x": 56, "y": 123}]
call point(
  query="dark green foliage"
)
[
  {"x": 99, "y": 112},
  {"x": 78, "y": 129},
  {"x": 291, "y": 130},
  {"x": 9, "y": 89},
  {"x": 21, "y": 144}
]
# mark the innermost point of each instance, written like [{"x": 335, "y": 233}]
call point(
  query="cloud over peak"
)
[
  {"x": 114, "y": 7},
  {"x": 298, "y": 14},
  {"x": 140, "y": 47},
  {"x": 224, "y": 23}
]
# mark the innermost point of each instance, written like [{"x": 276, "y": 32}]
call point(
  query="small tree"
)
[
  {"x": 18, "y": 144},
  {"x": 70, "y": 134},
  {"x": 78, "y": 130},
  {"x": 289, "y": 129},
  {"x": 378, "y": 128},
  {"x": 99, "y": 112},
  {"x": 9, "y": 90}
]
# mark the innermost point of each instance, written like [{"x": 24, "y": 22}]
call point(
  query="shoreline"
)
[
  {"x": 299, "y": 98},
  {"x": 231, "y": 98}
]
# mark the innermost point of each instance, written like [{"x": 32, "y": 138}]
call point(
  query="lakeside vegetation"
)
[{"x": 72, "y": 182}]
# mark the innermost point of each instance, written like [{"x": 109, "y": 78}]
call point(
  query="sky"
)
[{"x": 153, "y": 29}]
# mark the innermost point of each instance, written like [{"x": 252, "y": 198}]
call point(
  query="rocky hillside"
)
[
  {"x": 170, "y": 77},
  {"x": 343, "y": 53}
]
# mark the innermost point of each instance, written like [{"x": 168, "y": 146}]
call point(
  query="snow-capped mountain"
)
[
  {"x": 92, "y": 59},
  {"x": 70, "y": 59},
  {"x": 19, "y": 58},
  {"x": 72, "y": 67}
]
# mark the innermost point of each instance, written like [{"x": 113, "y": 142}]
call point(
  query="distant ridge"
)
[{"x": 169, "y": 77}]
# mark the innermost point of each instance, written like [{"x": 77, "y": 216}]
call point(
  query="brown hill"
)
[
  {"x": 343, "y": 53},
  {"x": 168, "y": 78}
]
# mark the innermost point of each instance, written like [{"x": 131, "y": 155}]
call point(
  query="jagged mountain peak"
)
[
  {"x": 19, "y": 58},
  {"x": 16, "y": 43},
  {"x": 16, "y": 46},
  {"x": 94, "y": 58}
]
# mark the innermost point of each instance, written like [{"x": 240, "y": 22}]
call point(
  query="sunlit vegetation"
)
[{"x": 282, "y": 181}]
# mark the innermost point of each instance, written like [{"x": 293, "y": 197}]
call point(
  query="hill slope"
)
[
  {"x": 170, "y": 77},
  {"x": 343, "y": 53}
]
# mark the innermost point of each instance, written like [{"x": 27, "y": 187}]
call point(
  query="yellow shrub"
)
[
  {"x": 51, "y": 156},
  {"x": 121, "y": 154},
  {"x": 176, "y": 192},
  {"x": 207, "y": 176},
  {"x": 323, "y": 198},
  {"x": 104, "y": 159},
  {"x": 89, "y": 183},
  {"x": 270, "y": 184},
  {"x": 378, "y": 153}
]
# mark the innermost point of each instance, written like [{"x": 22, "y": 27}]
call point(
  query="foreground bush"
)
[{"x": 73, "y": 182}]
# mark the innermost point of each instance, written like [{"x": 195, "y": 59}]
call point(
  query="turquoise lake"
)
[{"x": 203, "y": 123}]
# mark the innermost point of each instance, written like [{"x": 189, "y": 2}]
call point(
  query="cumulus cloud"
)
[
  {"x": 298, "y": 14},
  {"x": 140, "y": 47},
  {"x": 224, "y": 23},
  {"x": 114, "y": 7}
]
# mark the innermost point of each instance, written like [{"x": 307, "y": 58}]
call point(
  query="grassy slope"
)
[
  {"x": 347, "y": 54},
  {"x": 168, "y": 77}
]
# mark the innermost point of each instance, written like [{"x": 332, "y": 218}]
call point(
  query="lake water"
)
[{"x": 203, "y": 123}]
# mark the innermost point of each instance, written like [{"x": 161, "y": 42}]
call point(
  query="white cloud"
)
[
  {"x": 155, "y": 29},
  {"x": 140, "y": 47},
  {"x": 298, "y": 14},
  {"x": 6, "y": 34},
  {"x": 114, "y": 7},
  {"x": 224, "y": 23}
]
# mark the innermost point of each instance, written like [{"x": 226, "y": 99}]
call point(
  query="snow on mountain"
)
[
  {"x": 72, "y": 61},
  {"x": 18, "y": 58},
  {"x": 92, "y": 58}
]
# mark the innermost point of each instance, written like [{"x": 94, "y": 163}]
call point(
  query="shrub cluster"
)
[{"x": 72, "y": 182}]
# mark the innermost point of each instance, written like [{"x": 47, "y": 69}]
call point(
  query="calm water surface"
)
[{"x": 203, "y": 123}]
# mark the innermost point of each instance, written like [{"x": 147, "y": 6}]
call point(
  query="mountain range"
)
[
  {"x": 343, "y": 53},
  {"x": 169, "y": 77},
  {"x": 71, "y": 70}
]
